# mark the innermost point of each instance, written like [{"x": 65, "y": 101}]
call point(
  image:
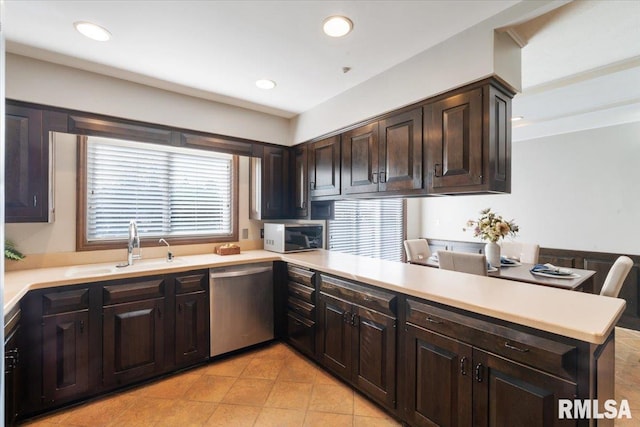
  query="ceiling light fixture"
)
[
  {"x": 516, "y": 118},
  {"x": 93, "y": 31},
  {"x": 265, "y": 84},
  {"x": 337, "y": 26}
]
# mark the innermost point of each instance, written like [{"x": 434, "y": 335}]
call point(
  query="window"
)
[
  {"x": 373, "y": 228},
  {"x": 183, "y": 194}
]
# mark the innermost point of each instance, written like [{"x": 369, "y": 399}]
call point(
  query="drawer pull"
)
[
  {"x": 513, "y": 347},
  {"x": 355, "y": 319},
  {"x": 431, "y": 320},
  {"x": 346, "y": 317},
  {"x": 463, "y": 363},
  {"x": 479, "y": 372}
]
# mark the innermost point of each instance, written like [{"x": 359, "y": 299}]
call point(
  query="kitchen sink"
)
[
  {"x": 89, "y": 270},
  {"x": 93, "y": 270}
]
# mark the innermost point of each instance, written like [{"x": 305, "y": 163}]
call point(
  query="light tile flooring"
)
[
  {"x": 275, "y": 386},
  {"x": 270, "y": 386}
]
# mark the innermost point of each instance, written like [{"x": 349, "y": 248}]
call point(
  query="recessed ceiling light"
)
[
  {"x": 337, "y": 26},
  {"x": 93, "y": 31},
  {"x": 516, "y": 118},
  {"x": 265, "y": 84}
]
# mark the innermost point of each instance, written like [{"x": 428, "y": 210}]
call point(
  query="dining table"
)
[{"x": 579, "y": 280}]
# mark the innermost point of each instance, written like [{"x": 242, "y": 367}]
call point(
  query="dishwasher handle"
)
[{"x": 240, "y": 273}]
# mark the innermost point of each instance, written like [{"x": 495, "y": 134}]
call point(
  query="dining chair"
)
[
  {"x": 417, "y": 250},
  {"x": 525, "y": 252},
  {"x": 463, "y": 262},
  {"x": 615, "y": 278}
]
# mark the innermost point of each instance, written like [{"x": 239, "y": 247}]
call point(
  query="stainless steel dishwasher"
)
[{"x": 241, "y": 306}]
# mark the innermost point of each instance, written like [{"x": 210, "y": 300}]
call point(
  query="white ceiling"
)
[
  {"x": 223, "y": 47},
  {"x": 217, "y": 49}
]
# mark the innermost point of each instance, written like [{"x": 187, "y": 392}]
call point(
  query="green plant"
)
[
  {"x": 10, "y": 251},
  {"x": 490, "y": 226}
]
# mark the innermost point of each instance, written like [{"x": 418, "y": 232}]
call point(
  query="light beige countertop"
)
[{"x": 578, "y": 315}]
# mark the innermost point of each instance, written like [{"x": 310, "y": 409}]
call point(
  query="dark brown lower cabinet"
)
[
  {"x": 359, "y": 345},
  {"x": 12, "y": 374},
  {"x": 449, "y": 382},
  {"x": 65, "y": 355},
  {"x": 133, "y": 341},
  {"x": 192, "y": 328},
  {"x": 301, "y": 333},
  {"x": 508, "y": 393},
  {"x": 438, "y": 378},
  {"x": 301, "y": 309},
  {"x": 83, "y": 340}
]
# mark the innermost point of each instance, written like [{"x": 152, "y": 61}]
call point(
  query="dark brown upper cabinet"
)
[
  {"x": 360, "y": 160},
  {"x": 270, "y": 183},
  {"x": 300, "y": 184},
  {"x": 324, "y": 167},
  {"x": 27, "y": 161},
  {"x": 467, "y": 137},
  {"x": 26, "y": 166},
  {"x": 384, "y": 156}
]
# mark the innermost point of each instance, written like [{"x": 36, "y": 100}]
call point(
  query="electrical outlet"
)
[
  {"x": 245, "y": 233},
  {"x": 262, "y": 233}
]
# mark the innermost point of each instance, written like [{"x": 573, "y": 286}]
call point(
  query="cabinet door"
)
[
  {"x": 300, "y": 183},
  {"x": 400, "y": 152},
  {"x": 301, "y": 333},
  {"x": 360, "y": 160},
  {"x": 133, "y": 341},
  {"x": 324, "y": 167},
  {"x": 374, "y": 358},
  {"x": 335, "y": 335},
  {"x": 275, "y": 182},
  {"x": 507, "y": 393},
  {"x": 438, "y": 380},
  {"x": 453, "y": 129},
  {"x": 13, "y": 381},
  {"x": 26, "y": 166},
  {"x": 65, "y": 356},
  {"x": 192, "y": 328}
]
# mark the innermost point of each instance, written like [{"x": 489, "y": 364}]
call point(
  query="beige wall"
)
[
  {"x": 571, "y": 191},
  {"x": 54, "y": 243},
  {"x": 46, "y": 83}
]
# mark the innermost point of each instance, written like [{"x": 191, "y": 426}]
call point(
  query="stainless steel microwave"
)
[{"x": 292, "y": 237}]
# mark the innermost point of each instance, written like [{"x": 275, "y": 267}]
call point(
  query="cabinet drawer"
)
[
  {"x": 382, "y": 301},
  {"x": 300, "y": 275},
  {"x": 191, "y": 283},
  {"x": 550, "y": 356},
  {"x": 133, "y": 291},
  {"x": 301, "y": 308},
  {"x": 65, "y": 301},
  {"x": 301, "y": 333},
  {"x": 302, "y": 292}
]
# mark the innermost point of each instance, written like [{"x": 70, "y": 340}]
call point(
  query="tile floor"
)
[
  {"x": 275, "y": 386},
  {"x": 270, "y": 386}
]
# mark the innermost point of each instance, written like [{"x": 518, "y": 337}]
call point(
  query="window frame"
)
[{"x": 82, "y": 244}]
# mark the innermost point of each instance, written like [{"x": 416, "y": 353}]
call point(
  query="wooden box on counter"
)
[{"x": 227, "y": 250}]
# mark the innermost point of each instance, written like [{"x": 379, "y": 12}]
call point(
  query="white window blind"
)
[
  {"x": 168, "y": 191},
  {"x": 373, "y": 228}
]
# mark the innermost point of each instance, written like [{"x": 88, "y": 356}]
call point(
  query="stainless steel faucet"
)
[
  {"x": 134, "y": 242},
  {"x": 169, "y": 253}
]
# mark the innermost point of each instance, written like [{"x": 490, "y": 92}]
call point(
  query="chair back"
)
[
  {"x": 463, "y": 262},
  {"x": 615, "y": 278},
  {"x": 417, "y": 250},
  {"x": 525, "y": 252}
]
